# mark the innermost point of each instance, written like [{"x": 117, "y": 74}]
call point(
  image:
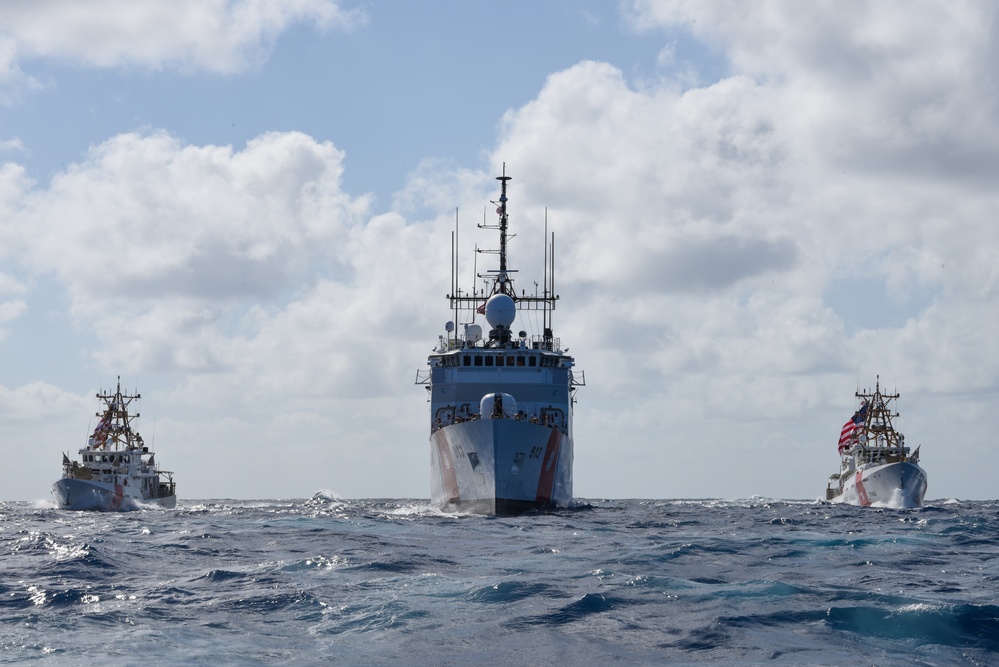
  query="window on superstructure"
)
[
  {"x": 489, "y": 361},
  {"x": 520, "y": 361},
  {"x": 533, "y": 361},
  {"x": 468, "y": 360},
  {"x": 478, "y": 360}
]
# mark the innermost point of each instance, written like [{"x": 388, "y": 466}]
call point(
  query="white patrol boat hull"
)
[
  {"x": 500, "y": 466},
  {"x": 79, "y": 494},
  {"x": 900, "y": 484}
]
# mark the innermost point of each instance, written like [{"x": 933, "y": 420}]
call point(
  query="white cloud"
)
[
  {"x": 214, "y": 35},
  {"x": 12, "y": 306},
  {"x": 10, "y": 311},
  {"x": 33, "y": 414},
  {"x": 13, "y": 185},
  {"x": 37, "y": 402},
  {"x": 162, "y": 247},
  {"x": 13, "y": 81},
  {"x": 14, "y": 145},
  {"x": 875, "y": 87}
]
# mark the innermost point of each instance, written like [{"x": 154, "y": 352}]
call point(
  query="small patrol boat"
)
[
  {"x": 876, "y": 466},
  {"x": 116, "y": 471}
]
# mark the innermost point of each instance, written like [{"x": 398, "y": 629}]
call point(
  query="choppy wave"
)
[
  {"x": 960, "y": 625},
  {"x": 326, "y": 579}
]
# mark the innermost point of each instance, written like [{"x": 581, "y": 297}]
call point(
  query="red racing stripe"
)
[
  {"x": 546, "y": 480},
  {"x": 448, "y": 474},
  {"x": 861, "y": 491}
]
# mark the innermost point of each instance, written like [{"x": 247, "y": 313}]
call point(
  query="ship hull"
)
[
  {"x": 78, "y": 494},
  {"x": 500, "y": 466},
  {"x": 900, "y": 484}
]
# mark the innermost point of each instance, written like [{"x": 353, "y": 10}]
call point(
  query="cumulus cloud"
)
[
  {"x": 216, "y": 36},
  {"x": 14, "y": 82},
  {"x": 11, "y": 303},
  {"x": 870, "y": 86},
  {"x": 10, "y": 310},
  {"x": 157, "y": 242},
  {"x": 37, "y": 401}
]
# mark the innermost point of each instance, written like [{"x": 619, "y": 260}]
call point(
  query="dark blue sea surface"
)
[{"x": 371, "y": 582}]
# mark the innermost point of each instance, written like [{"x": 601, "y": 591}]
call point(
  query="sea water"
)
[{"x": 372, "y": 582}]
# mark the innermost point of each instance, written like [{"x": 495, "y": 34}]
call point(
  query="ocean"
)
[{"x": 323, "y": 581}]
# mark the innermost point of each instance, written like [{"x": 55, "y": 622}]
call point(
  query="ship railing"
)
[
  {"x": 548, "y": 344},
  {"x": 531, "y": 343},
  {"x": 577, "y": 378},
  {"x": 834, "y": 487},
  {"x": 536, "y": 343},
  {"x": 423, "y": 376},
  {"x": 554, "y": 423}
]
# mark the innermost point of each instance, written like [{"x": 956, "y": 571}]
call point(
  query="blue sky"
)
[
  {"x": 412, "y": 82},
  {"x": 244, "y": 209}
]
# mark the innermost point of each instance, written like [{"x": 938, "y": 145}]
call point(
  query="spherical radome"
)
[{"x": 500, "y": 310}]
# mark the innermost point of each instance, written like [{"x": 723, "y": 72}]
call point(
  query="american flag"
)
[
  {"x": 846, "y": 435},
  {"x": 850, "y": 428}
]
